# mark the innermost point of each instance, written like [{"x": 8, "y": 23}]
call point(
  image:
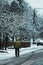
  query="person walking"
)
[{"x": 17, "y": 46}]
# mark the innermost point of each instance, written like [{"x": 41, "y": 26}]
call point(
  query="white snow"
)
[{"x": 11, "y": 52}]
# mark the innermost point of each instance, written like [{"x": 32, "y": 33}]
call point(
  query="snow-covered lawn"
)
[{"x": 10, "y": 53}]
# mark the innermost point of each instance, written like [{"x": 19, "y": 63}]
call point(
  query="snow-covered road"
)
[{"x": 10, "y": 53}]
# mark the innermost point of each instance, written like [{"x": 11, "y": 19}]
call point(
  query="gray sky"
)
[{"x": 35, "y": 3}]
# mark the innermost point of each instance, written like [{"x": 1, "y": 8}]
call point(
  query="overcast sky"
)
[{"x": 35, "y": 3}]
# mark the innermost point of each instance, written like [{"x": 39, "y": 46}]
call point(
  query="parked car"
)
[{"x": 39, "y": 41}]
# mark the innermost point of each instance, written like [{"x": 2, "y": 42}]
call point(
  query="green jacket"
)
[{"x": 17, "y": 44}]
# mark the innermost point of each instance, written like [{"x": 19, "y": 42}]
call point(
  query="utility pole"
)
[{"x": 33, "y": 23}]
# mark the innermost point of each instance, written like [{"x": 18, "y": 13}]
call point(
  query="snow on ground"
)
[{"x": 10, "y": 53}]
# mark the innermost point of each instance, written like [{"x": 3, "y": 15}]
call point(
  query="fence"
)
[{"x": 22, "y": 44}]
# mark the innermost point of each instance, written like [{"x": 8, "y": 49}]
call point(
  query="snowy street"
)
[
  {"x": 7, "y": 57},
  {"x": 35, "y": 59},
  {"x": 10, "y": 53}
]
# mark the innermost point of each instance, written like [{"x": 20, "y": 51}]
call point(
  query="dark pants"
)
[{"x": 17, "y": 52}]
